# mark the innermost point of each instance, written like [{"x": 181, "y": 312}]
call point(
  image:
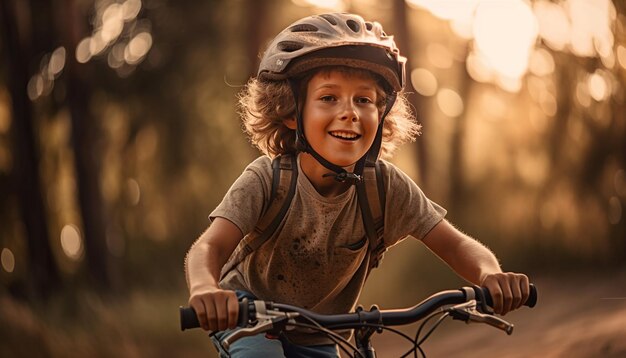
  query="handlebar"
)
[{"x": 254, "y": 310}]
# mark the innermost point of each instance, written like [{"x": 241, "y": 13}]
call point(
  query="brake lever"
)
[
  {"x": 267, "y": 320},
  {"x": 260, "y": 327},
  {"x": 468, "y": 313}
]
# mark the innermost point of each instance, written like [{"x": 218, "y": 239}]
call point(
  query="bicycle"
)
[{"x": 468, "y": 304}]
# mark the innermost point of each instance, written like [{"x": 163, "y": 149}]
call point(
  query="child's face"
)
[{"x": 340, "y": 115}]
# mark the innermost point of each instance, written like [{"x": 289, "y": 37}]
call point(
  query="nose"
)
[{"x": 349, "y": 112}]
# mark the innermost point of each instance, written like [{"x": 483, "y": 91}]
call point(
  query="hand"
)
[
  {"x": 508, "y": 290},
  {"x": 217, "y": 309}
]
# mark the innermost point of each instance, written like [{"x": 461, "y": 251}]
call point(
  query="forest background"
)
[{"x": 119, "y": 134}]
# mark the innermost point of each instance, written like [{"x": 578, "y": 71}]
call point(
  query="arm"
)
[
  {"x": 478, "y": 265},
  {"x": 217, "y": 309}
]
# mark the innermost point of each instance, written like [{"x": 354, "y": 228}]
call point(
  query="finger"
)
[
  {"x": 211, "y": 315},
  {"x": 200, "y": 309},
  {"x": 233, "y": 310},
  {"x": 496, "y": 295},
  {"x": 507, "y": 296},
  {"x": 525, "y": 288},
  {"x": 516, "y": 292},
  {"x": 221, "y": 312}
]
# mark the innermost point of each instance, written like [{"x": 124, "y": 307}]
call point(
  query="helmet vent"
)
[
  {"x": 353, "y": 25},
  {"x": 369, "y": 26},
  {"x": 331, "y": 19},
  {"x": 289, "y": 46},
  {"x": 304, "y": 28}
]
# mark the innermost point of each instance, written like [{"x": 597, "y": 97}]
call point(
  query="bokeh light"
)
[
  {"x": 541, "y": 62},
  {"x": 7, "y": 259},
  {"x": 599, "y": 86},
  {"x": 71, "y": 242},
  {"x": 450, "y": 102},
  {"x": 118, "y": 35},
  {"x": 424, "y": 82}
]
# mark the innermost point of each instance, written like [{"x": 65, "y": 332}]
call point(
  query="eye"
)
[
  {"x": 364, "y": 100},
  {"x": 327, "y": 98}
]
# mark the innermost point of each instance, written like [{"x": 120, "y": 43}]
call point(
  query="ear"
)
[{"x": 290, "y": 123}]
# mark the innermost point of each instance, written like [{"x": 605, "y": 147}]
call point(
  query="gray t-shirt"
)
[{"x": 313, "y": 260}]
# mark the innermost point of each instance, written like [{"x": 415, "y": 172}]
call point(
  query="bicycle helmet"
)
[{"x": 335, "y": 39}]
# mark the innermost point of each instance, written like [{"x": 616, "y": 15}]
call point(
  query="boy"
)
[{"x": 328, "y": 91}]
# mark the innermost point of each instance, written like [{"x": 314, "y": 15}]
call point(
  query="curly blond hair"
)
[{"x": 264, "y": 105}]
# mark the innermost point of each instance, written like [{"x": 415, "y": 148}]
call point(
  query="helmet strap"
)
[{"x": 374, "y": 151}]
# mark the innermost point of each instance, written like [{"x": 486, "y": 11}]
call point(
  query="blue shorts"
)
[{"x": 260, "y": 347}]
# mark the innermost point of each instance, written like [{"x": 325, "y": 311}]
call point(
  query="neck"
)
[{"x": 314, "y": 171}]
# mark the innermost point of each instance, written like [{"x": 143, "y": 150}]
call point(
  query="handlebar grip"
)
[
  {"x": 530, "y": 302},
  {"x": 189, "y": 318}
]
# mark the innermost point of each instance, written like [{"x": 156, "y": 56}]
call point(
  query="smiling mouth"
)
[{"x": 345, "y": 135}]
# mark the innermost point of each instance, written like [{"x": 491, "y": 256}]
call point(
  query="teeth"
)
[{"x": 344, "y": 135}]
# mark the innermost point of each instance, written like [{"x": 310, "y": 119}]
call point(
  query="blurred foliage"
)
[{"x": 535, "y": 169}]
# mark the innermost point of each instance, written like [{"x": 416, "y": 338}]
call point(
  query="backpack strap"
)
[
  {"x": 284, "y": 179},
  {"x": 371, "y": 196}
]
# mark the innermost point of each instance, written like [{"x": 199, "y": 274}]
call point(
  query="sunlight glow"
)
[
  {"x": 8, "y": 260},
  {"x": 446, "y": 9},
  {"x": 505, "y": 33},
  {"x": 478, "y": 69},
  {"x": 439, "y": 55},
  {"x": 336, "y": 5},
  {"x": 541, "y": 62},
  {"x": 71, "y": 242},
  {"x": 591, "y": 26},
  {"x": 554, "y": 25}
]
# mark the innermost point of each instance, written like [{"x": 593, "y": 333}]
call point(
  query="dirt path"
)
[{"x": 574, "y": 317}]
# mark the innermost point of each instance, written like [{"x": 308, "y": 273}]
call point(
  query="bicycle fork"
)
[
  {"x": 363, "y": 343},
  {"x": 362, "y": 337}
]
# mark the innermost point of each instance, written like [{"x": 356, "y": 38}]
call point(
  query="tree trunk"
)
[
  {"x": 402, "y": 37},
  {"x": 86, "y": 136},
  {"x": 43, "y": 275},
  {"x": 257, "y": 31},
  {"x": 457, "y": 142}
]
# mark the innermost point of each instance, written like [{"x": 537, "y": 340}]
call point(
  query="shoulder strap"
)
[
  {"x": 371, "y": 196},
  {"x": 284, "y": 179}
]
